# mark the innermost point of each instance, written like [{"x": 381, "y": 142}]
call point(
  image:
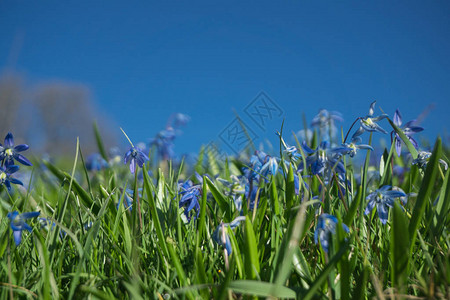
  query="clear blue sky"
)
[{"x": 144, "y": 61}]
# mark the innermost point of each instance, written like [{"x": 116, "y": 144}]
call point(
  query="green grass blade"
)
[
  {"x": 154, "y": 213},
  {"x": 251, "y": 262},
  {"x": 220, "y": 199},
  {"x": 98, "y": 139},
  {"x": 261, "y": 289},
  {"x": 405, "y": 139},
  {"x": 399, "y": 247},
  {"x": 425, "y": 191}
]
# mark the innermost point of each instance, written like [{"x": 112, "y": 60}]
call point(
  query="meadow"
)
[{"x": 317, "y": 219}]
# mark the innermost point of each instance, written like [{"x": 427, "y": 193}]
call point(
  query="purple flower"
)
[
  {"x": 384, "y": 198},
  {"x": 5, "y": 176},
  {"x": 408, "y": 129},
  {"x": 18, "y": 223},
  {"x": 135, "y": 156},
  {"x": 9, "y": 152}
]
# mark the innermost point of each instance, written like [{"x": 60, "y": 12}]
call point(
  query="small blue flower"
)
[
  {"x": 135, "y": 156},
  {"x": 408, "y": 129},
  {"x": 190, "y": 195},
  {"x": 18, "y": 223},
  {"x": 422, "y": 160},
  {"x": 326, "y": 226},
  {"x": 128, "y": 198},
  {"x": 95, "y": 162},
  {"x": 47, "y": 224},
  {"x": 290, "y": 151},
  {"x": 9, "y": 152},
  {"x": 5, "y": 176},
  {"x": 164, "y": 143},
  {"x": 351, "y": 148},
  {"x": 221, "y": 237},
  {"x": 325, "y": 120},
  {"x": 384, "y": 198},
  {"x": 181, "y": 119},
  {"x": 368, "y": 123}
]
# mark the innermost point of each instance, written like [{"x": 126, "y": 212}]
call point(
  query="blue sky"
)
[{"x": 146, "y": 60}]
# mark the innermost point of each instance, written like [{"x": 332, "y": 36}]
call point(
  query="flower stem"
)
[{"x": 357, "y": 119}]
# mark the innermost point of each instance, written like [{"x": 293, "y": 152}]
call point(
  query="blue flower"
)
[
  {"x": 325, "y": 121},
  {"x": 128, "y": 198},
  {"x": 135, "y": 156},
  {"x": 95, "y": 162},
  {"x": 368, "y": 123},
  {"x": 164, "y": 143},
  {"x": 181, "y": 119},
  {"x": 9, "y": 153},
  {"x": 290, "y": 151},
  {"x": 408, "y": 129},
  {"x": 422, "y": 160},
  {"x": 47, "y": 224},
  {"x": 321, "y": 160},
  {"x": 326, "y": 226},
  {"x": 384, "y": 198},
  {"x": 351, "y": 148},
  {"x": 221, "y": 237},
  {"x": 190, "y": 195},
  {"x": 18, "y": 223},
  {"x": 5, "y": 176}
]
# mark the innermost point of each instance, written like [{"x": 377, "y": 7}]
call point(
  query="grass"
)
[{"x": 97, "y": 249}]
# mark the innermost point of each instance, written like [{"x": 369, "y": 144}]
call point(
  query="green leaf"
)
[
  {"x": 154, "y": 213},
  {"x": 399, "y": 247},
  {"x": 250, "y": 251},
  {"x": 324, "y": 274},
  {"x": 220, "y": 199},
  {"x": 98, "y": 139},
  {"x": 261, "y": 289},
  {"x": 236, "y": 252},
  {"x": 274, "y": 197},
  {"x": 78, "y": 189},
  {"x": 405, "y": 139},
  {"x": 361, "y": 284},
  {"x": 442, "y": 207},
  {"x": 290, "y": 191},
  {"x": 425, "y": 191}
]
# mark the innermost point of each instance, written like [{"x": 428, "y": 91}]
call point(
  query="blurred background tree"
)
[{"x": 50, "y": 115}]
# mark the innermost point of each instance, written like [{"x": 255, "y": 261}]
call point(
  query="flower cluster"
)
[{"x": 8, "y": 155}]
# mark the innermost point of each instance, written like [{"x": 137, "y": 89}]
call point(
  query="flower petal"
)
[
  {"x": 9, "y": 140},
  {"x": 17, "y": 237}
]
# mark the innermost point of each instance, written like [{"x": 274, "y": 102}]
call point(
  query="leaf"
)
[
  {"x": 405, "y": 139},
  {"x": 261, "y": 289},
  {"x": 425, "y": 191},
  {"x": 250, "y": 250},
  {"x": 399, "y": 247},
  {"x": 360, "y": 288},
  {"x": 154, "y": 213},
  {"x": 98, "y": 139},
  {"x": 442, "y": 207},
  {"x": 324, "y": 274},
  {"x": 220, "y": 199},
  {"x": 290, "y": 191}
]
